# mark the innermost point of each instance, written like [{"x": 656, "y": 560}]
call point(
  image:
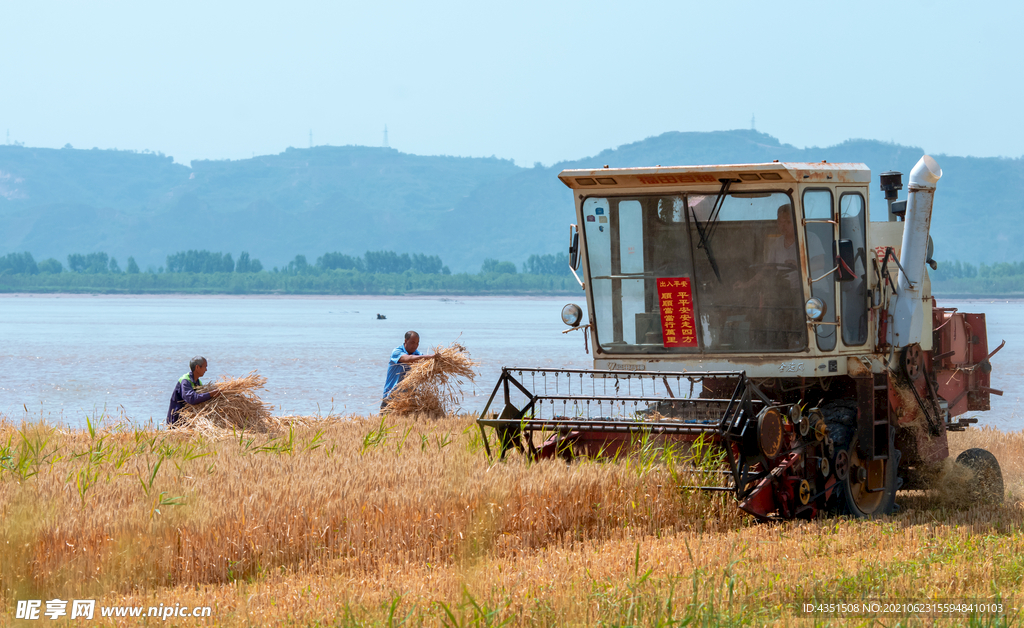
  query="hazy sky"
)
[{"x": 531, "y": 81}]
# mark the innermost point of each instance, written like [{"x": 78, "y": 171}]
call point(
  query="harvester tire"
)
[
  {"x": 841, "y": 419},
  {"x": 987, "y": 485},
  {"x": 850, "y": 497}
]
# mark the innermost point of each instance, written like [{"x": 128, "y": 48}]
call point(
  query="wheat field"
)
[{"x": 404, "y": 521}]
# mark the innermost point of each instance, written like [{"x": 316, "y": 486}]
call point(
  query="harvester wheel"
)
[
  {"x": 841, "y": 419},
  {"x": 855, "y": 498},
  {"x": 987, "y": 486},
  {"x": 852, "y": 496}
]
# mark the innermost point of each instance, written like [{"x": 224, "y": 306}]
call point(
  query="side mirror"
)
[
  {"x": 574, "y": 248},
  {"x": 842, "y": 253}
]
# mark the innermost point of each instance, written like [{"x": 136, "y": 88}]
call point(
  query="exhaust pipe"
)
[{"x": 908, "y": 308}]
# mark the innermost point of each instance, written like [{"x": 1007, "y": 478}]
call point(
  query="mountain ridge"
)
[{"x": 355, "y": 198}]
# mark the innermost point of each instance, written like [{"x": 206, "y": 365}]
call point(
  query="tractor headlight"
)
[
  {"x": 815, "y": 309},
  {"x": 572, "y": 314}
]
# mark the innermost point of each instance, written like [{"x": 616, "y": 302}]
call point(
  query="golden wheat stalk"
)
[{"x": 369, "y": 513}]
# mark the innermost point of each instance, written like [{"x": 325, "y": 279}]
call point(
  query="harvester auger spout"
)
[{"x": 777, "y": 460}]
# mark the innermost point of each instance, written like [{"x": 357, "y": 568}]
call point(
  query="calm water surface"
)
[{"x": 66, "y": 357}]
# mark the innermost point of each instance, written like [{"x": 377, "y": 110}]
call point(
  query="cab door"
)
[
  {"x": 853, "y": 295},
  {"x": 819, "y": 233}
]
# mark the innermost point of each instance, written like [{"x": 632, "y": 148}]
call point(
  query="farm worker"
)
[
  {"x": 186, "y": 390},
  {"x": 401, "y": 360}
]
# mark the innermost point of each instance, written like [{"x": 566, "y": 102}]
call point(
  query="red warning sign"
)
[{"x": 678, "y": 327}]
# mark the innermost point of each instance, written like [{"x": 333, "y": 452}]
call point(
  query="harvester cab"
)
[{"x": 756, "y": 308}]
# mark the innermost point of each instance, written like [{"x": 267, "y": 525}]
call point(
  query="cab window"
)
[
  {"x": 854, "y": 293},
  {"x": 818, "y": 235}
]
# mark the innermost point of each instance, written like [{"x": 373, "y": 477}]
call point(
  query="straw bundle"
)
[
  {"x": 237, "y": 408},
  {"x": 434, "y": 387}
]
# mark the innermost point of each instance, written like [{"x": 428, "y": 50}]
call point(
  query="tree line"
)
[
  {"x": 326, "y": 282},
  {"x": 966, "y": 279},
  {"x": 377, "y": 262},
  {"x": 102, "y": 264},
  {"x": 376, "y": 272},
  {"x": 207, "y": 262},
  {"x": 965, "y": 270}
]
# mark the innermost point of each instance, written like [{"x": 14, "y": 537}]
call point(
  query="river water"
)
[{"x": 68, "y": 357}]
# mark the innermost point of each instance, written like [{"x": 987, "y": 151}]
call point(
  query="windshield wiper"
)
[
  {"x": 711, "y": 224},
  {"x": 704, "y": 244},
  {"x": 717, "y": 207}
]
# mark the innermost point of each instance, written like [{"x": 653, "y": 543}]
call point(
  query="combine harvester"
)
[{"x": 755, "y": 307}]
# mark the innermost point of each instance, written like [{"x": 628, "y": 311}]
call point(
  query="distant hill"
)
[
  {"x": 349, "y": 199},
  {"x": 353, "y": 199}
]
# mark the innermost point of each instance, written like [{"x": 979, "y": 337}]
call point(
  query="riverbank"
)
[
  {"x": 330, "y": 282},
  {"x": 370, "y": 522}
]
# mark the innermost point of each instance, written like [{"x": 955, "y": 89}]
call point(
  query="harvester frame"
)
[{"x": 827, "y": 374}]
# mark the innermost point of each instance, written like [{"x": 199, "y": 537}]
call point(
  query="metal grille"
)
[
  {"x": 548, "y": 394},
  {"x": 558, "y": 400}
]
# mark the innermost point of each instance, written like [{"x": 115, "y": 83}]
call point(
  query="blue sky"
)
[{"x": 530, "y": 81}]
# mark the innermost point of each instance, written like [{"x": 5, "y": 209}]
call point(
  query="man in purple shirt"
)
[{"x": 187, "y": 390}]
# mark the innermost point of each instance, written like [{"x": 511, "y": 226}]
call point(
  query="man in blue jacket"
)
[
  {"x": 187, "y": 390},
  {"x": 401, "y": 360}
]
